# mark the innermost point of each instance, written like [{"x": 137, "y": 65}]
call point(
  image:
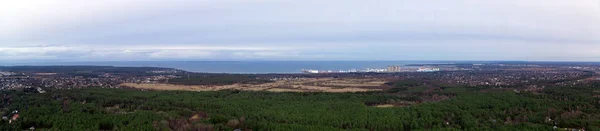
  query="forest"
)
[
  {"x": 128, "y": 109},
  {"x": 217, "y": 79}
]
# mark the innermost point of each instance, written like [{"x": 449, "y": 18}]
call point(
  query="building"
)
[
  {"x": 14, "y": 118},
  {"x": 394, "y": 69},
  {"x": 5, "y": 73},
  {"x": 428, "y": 69}
]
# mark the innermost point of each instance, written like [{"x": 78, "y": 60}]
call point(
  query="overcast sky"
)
[{"x": 148, "y": 30}]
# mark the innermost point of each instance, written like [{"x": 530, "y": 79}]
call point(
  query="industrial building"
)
[{"x": 394, "y": 69}]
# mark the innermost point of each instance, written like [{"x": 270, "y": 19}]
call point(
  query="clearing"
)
[{"x": 292, "y": 85}]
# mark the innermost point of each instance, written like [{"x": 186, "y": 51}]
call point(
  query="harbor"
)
[{"x": 389, "y": 69}]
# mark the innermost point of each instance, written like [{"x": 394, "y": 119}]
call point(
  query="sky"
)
[{"x": 159, "y": 30}]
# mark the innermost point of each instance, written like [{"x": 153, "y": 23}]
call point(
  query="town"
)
[
  {"x": 42, "y": 77},
  {"x": 489, "y": 75}
]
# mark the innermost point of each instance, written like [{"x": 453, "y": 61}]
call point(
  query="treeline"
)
[
  {"x": 218, "y": 79},
  {"x": 83, "y": 70},
  {"x": 123, "y": 109},
  {"x": 403, "y": 85}
]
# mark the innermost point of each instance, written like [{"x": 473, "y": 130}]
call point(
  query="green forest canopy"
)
[{"x": 125, "y": 109}]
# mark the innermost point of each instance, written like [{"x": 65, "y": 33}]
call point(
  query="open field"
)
[
  {"x": 45, "y": 74},
  {"x": 293, "y": 85},
  {"x": 384, "y": 106}
]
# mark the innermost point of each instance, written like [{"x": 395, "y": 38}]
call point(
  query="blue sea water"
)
[{"x": 250, "y": 67}]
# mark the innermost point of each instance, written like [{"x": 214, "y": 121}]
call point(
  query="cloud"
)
[
  {"x": 182, "y": 54},
  {"x": 299, "y": 30},
  {"x": 85, "y": 53}
]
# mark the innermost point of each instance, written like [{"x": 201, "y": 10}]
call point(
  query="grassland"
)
[{"x": 293, "y": 85}]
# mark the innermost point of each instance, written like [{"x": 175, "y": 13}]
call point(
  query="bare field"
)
[
  {"x": 44, "y": 74},
  {"x": 384, "y": 106},
  {"x": 295, "y": 85}
]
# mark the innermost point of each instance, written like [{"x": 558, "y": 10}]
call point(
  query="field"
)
[{"x": 288, "y": 85}]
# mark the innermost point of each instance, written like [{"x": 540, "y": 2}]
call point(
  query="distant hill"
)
[{"x": 86, "y": 69}]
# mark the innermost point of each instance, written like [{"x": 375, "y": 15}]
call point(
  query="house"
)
[
  {"x": 40, "y": 90},
  {"x": 14, "y": 118}
]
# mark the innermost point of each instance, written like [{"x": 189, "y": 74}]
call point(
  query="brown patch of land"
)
[
  {"x": 44, "y": 74},
  {"x": 293, "y": 85},
  {"x": 395, "y": 104},
  {"x": 384, "y": 106}
]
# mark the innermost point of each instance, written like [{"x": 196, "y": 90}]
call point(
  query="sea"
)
[{"x": 242, "y": 67}]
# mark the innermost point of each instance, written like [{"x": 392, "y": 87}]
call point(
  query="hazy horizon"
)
[{"x": 32, "y": 62}]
